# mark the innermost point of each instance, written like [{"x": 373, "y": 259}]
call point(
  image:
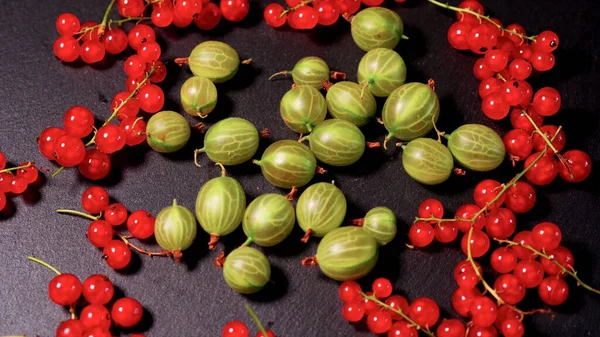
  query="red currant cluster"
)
[
  {"x": 306, "y": 14},
  {"x": 392, "y": 314},
  {"x": 26, "y": 175},
  {"x": 91, "y": 41},
  {"x": 105, "y": 218},
  {"x": 95, "y": 320},
  {"x": 239, "y": 329}
]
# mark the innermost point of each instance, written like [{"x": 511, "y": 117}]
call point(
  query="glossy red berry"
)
[
  {"x": 67, "y": 24},
  {"x": 30, "y": 173},
  {"x": 2, "y": 201},
  {"x": 479, "y": 331},
  {"x": 421, "y": 234},
  {"x": 187, "y": 9},
  {"x": 546, "y": 101},
  {"x": 543, "y": 171},
  {"x": 518, "y": 144},
  {"x": 5, "y": 182},
  {"x": 512, "y": 328},
  {"x": 140, "y": 34},
  {"x": 2, "y": 161},
  {"x": 149, "y": 51},
  {"x": 545, "y": 236},
  {"x": 160, "y": 71},
  {"x": 162, "y": 15},
  {"x": 117, "y": 254},
  {"x": 94, "y": 199},
  {"x": 269, "y": 334},
  {"x": 486, "y": 191},
  {"x": 97, "y": 332},
  {"x": 467, "y": 212},
  {"x": 95, "y": 165},
  {"x": 484, "y": 311},
  {"x": 349, "y": 292},
  {"x": 98, "y": 289},
  {"x": 92, "y": 51},
  {"x": 382, "y": 287},
  {"x": 503, "y": 260},
  {"x": 424, "y": 311},
  {"x": 130, "y": 8},
  {"x": 209, "y": 18},
  {"x": 517, "y": 28},
  {"x": 497, "y": 59},
  {"x": 304, "y": 17},
  {"x": 234, "y": 10},
  {"x": 235, "y": 329},
  {"x": 151, "y": 98},
  {"x": 100, "y": 233},
  {"x": 70, "y": 328},
  {"x": 402, "y": 328},
  {"x": 546, "y": 42},
  {"x": 519, "y": 121},
  {"x": 127, "y": 312},
  {"x": 553, "y": 291},
  {"x": 95, "y": 315},
  {"x": 115, "y": 41},
  {"x": 489, "y": 86},
  {"x": 580, "y": 165},
  {"x": 379, "y": 321},
  {"x": 135, "y": 131},
  {"x": 78, "y": 121},
  {"x": 397, "y": 302},
  {"x": 353, "y": 311},
  {"x": 509, "y": 288},
  {"x": 520, "y": 198},
  {"x": 530, "y": 273},
  {"x": 461, "y": 300},
  {"x": 512, "y": 93},
  {"x": 523, "y": 238},
  {"x": 64, "y": 289},
  {"x": 110, "y": 138},
  {"x": 520, "y": 69},
  {"x": 481, "y": 39},
  {"x": 134, "y": 66},
  {"x": 66, "y": 48},
  {"x": 445, "y": 232},
  {"x": 273, "y": 15},
  {"x": 69, "y": 150},
  {"x": 451, "y": 328},
  {"x": 481, "y": 70},
  {"x": 368, "y": 305},
  {"x": 347, "y": 6},
  {"x": 126, "y": 110},
  {"x": 542, "y": 61},
  {"x": 561, "y": 255},
  {"x": 550, "y": 131},
  {"x": 500, "y": 223},
  {"x": 474, "y": 6},
  {"x": 504, "y": 313},
  {"x": 457, "y": 35},
  {"x": 115, "y": 214},
  {"x": 465, "y": 275},
  {"x": 327, "y": 12},
  {"x": 431, "y": 208},
  {"x": 480, "y": 243},
  {"x": 140, "y": 224},
  {"x": 18, "y": 185}
]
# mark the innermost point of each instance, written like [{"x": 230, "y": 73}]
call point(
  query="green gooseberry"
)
[
  {"x": 175, "y": 229},
  {"x": 287, "y": 164},
  {"x": 382, "y": 70},
  {"x": 348, "y": 101},
  {"x": 231, "y": 141},
  {"x": 246, "y": 270},
  {"x": 476, "y": 147},
  {"x": 427, "y": 161},
  {"x": 198, "y": 96},
  {"x": 321, "y": 208},
  {"x": 337, "y": 142},
  {"x": 268, "y": 220},
  {"x": 214, "y": 60},
  {"x": 380, "y": 223},
  {"x": 302, "y": 107},
  {"x": 220, "y": 207},
  {"x": 347, "y": 253},
  {"x": 377, "y": 27},
  {"x": 310, "y": 70},
  {"x": 410, "y": 111},
  {"x": 167, "y": 131}
]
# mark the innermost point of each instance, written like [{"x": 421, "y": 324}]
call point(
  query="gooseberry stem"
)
[
  {"x": 16, "y": 168},
  {"x": 223, "y": 170},
  {"x": 568, "y": 270},
  {"x": 284, "y": 73},
  {"x": 257, "y": 321},
  {"x": 374, "y": 299},
  {"x": 480, "y": 17},
  {"x": 44, "y": 263},
  {"x": 78, "y": 213}
]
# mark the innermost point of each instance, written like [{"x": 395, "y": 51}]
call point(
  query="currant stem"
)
[
  {"x": 259, "y": 325},
  {"x": 44, "y": 263},
  {"x": 480, "y": 17},
  {"x": 289, "y": 9},
  {"x": 129, "y": 19},
  {"x": 102, "y": 27},
  {"x": 399, "y": 312},
  {"x": 566, "y": 270},
  {"x": 16, "y": 168},
  {"x": 142, "y": 250},
  {"x": 476, "y": 269},
  {"x": 78, "y": 213}
]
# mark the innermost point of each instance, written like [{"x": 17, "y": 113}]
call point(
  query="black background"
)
[{"x": 192, "y": 299}]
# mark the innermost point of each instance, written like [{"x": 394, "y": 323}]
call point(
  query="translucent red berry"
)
[
  {"x": 209, "y": 18},
  {"x": 503, "y": 260},
  {"x": 543, "y": 171},
  {"x": 467, "y": 212},
  {"x": 235, "y": 329},
  {"x": 561, "y": 255},
  {"x": 431, "y": 208},
  {"x": 421, "y": 234},
  {"x": 134, "y": 66},
  {"x": 67, "y": 24},
  {"x": 70, "y": 328},
  {"x": 98, "y": 289},
  {"x": 550, "y": 131},
  {"x": 520, "y": 198},
  {"x": 523, "y": 238},
  {"x": 140, "y": 224},
  {"x": 382, "y": 287},
  {"x": 115, "y": 41},
  {"x": 149, "y": 51},
  {"x": 461, "y": 300},
  {"x": 402, "y": 328},
  {"x": 95, "y": 315},
  {"x": 480, "y": 243},
  {"x": 520, "y": 69},
  {"x": 273, "y": 15},
  {"x": 510, "y": 288},
  {"x": 327, "y": 13},
  {"x": 546, "y": 42},
  {"x": 457, "y": 35},
  {"x": 353, "y": 311},
  {"x": 451, "y": 328},
  {"x": 140, "y": 34},
  {"x": 512, "y": 328},
  {"x": 349, "y": 291},
  {"x": 69, "y": 150},
  {"x": 546, "y": 101},
  {"x": 235, "y": 10},
  {"x": 304, "y": 17},
  {"x": 100, "y": 233},
  {"x": 424, "y": 311},
  {"x": 131, "y": 8},
  {"x": 486, "y": 191},
  {"x": 500, "y": 223},
  {"x": 95, "y": 200},
  {"x": 162, "y": 15},
  {"x": 64, "y": 289},
  {"x": 160, "y": 71},
  {"x": 110, "y": 138},
  {"x": 115, "y": 214},
  {"x": 92, "y": 51},
  {"x": 399, "y": 303},
  {"x": 151, "y": 98},
  {"x": 117, "y": 254},
  {"x": 497, "y": 59},
  {"x": 580, "y": 165},
  {"x": 135, "y": 130},
  {"x": 95, "y": 165},
  {"x": 489, "y": 86},
  {"x": 78, "y": 121},
  {"x": 445, "y": 232},
  {"x": 553, "y": 290},
  {"x": 484, "y": 311},
  {"x": 542, "y": 61},
  {"x": 519, "y": 121},
  {"x": 379, "y": 321},
  {"x": 66, "y": 48},
  {"x": 481, "y": 70},
  {"x": 530, "y": 273},
  {"x": 126, "y": 312}
]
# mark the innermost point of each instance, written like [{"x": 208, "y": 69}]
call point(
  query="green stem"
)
[
  {"x": 289, "y": 9},
  {"x": 480, "y": 17},
  {"x": 44, "y": 263},
  {"x": 374, "y": 299},
  {"x": 16, "y": 168},
  {"x": 58, "y": 171},
  {"x": 571, "y": 272},
  {"x": 247, "y": 242},
  {"x": 256, "y": 321},
  {"x": 78, "y": 213},
  {"x": 129, "y": 19},
  {"x": 106, "y": 13}
]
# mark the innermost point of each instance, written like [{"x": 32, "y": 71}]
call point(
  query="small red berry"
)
[
  {"x": 382, "y": 287},
  {"x": 349, "y": 292},
  {"x": 235, "y": 329},
  {"x": 64, "y": 289},
  {"x": 67, "y": 24},
  {"x": 235, "y": 10},
  {"x": 127, "y": 312},
  {"x": 424, "y": 311},
  {"x": 110, "y": 138},
  {"x": 379, "y": 321},
  {"x": 273, "y": 15},
  {"x": 210, "y": 17},
  {"x": 140, "y": 224},
  {"x": 115, "y": 41},
  {"x": 553, "y": 291},
  {"x": 66, "y": 48},
  {"x": 95, "y": 315},
  {"x": 95, "y": 200},
  {"x": 78, "y": 121},
  {"x": 117, "y": 254},
  {"x": 353, "y": 311},
  {"x": 98, "y": 289},
  {"x": 100, "y": 233},
  {"x": 69, "y": 150},
  {"x": 95, "y": 165}
]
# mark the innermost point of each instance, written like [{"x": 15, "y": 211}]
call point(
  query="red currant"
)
[
  {"x": 5, "y": 182},
  {"x": 349, "y": 292},
  {"x": 135, "y": 131},
  {"x": 512, "y": 328},
  {"x": 70, "y": 328},
  {"x": 481, "y": 39},
  {"x": 457, "y": 35},
  {"x": 115, "y": 214},
  {"x": 131, "y": 8},
  {"x": 481, "y": 70},
  {"x": 424, "y": 311},
  {"x": 117, "y": 254},
  {"x": 461, "y": 300},
  {"x": 97, "y": 332},
  {"x": 353, "y": 312},
  {"x": 64, "y": 289},
  {"x": 95, "y": 315},
  {"x": 347, "y": 6},
  {"x": 269, "y": 334},
  {"x": 98, "y": 289},
  {"x": 530, "y": 273},
  {"x": 162, "y": 15},
  {"x": 181, "y": 21},
  {"x": 160, "y": 71},
  {"x": 2, "y": 161},
  {"x": 546, "y": 236},
  {"x": 304, "y": 17},
  {"x": 89, "y": 31},
  {"x": 368, "y": 305},
  {"x": 110, "y": 138},
  {"x": 126, "y": 312},
  {"x": 187, "y": 8},
  {"x": 66, "y": 48},
  {"x": 18, "y": 185},
  {"x": 520, "y": 198},
  {"x": 512, "y": 93},
  {"x": 451, "y": 328},
  {"x": 234, "y": 10},
  {"x": 480, "y": 243},
  {"x": 397, "y": 302},
  {"x": 2, "y": 201},
  {"x": 546, "y": 42},
  {"x": 235, "y": 329},
  {"x": 503, "y": 260},
  {"x": 484, "y": 311},
  {"x": 69, "y": 150},
  {"x": 92, "y": 51},
  {"x": 465, "y": 275},
  {"x": 140, "y": 224},
  {"x": 445, "y": 232},
  {"x": 127, "y": 110},
  {"x": 151, "y": 98},
  {"x": 519, "y": 121},
  {"x": 78, "y": 121},
  {"x": 510, "y": 288},
  {"x": 421, "y": 234},
  {"x": 543, "y": 171},
  {"x": 486, "y": 191},
  {"x": 549, "y": 131},
  {"x": 327, "y": 13},
  {"x": 497, "y": 59},
  {"x": 382, "y": 287},
  {"x": 561, "y": 255},
  {"x": 542, "y": 61},
  {"x": 523, "y": 238},
  {"x": 140, "y": 34},
  {"x": 489, "y": 86},
  {"x": 474, "y": 6},
  {"x": 505, "y": 313},
  {"x": 209, "y": 18},
  {"x": 431, "y": 208},
  {"x": 134, "y": 66},
  {"x": 580, "y": 165},
  {"x": 67, "y": 24},
  {"x": 500, "y": 223},
  {"x": 517, "y": 28},
  {"x": 95, "y": 165},
  {"x": 526, "y": 93},
  {"x": 100, "y": 233},
  {"x": 518, "y": 144},
  {"x": 520, "y": 69},
  {"x": 379, "y": 322},
  {"x": 95, "y": 200},
  {"x": 30, "y": 174},
  {"x": 479, "y": 331},
  {"x": 273, "y": 15},
  {"x": 523, "y": 51},
  {"x": 553, "y": 291},
  {"x": 149, "y": 51},
  {"x": 467, "y": 213},
  {"x": 402, "y": 329},
  {"x": 546, "y": 101},
  {"x": 115, "y": 41}
]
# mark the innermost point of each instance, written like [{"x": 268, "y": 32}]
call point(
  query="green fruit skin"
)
[
  {"x": 198, "y": 96},
  {"x": 167, "y": 131},
  {"x": 337, "y": 142},
  {"x": 477, "y": 147},
  {"x": 214, "y": 60},
  {"x": 344, "y": 101},
  {"x": 427, "y": 161},
  {"x": 410, "y": 111},
  {"x": 383, "y": 69},
  {"x": 376, "y": 27},
  {"x": 175, "y": 228},
  {"x": 220, "y": 205},
  {"x": 347, "y": 253},
  {"x": 246, "y": 270},
  {"x": 287, "y": 163},
  {"x": 302, "y": 108},
  {"x": 231, "y": 141},
  {"x": 310, "y": 71},
  {"x": 269, "y": 219},
  {"x": 380, "y": 223},
  {"x": 321, "y": 208}
]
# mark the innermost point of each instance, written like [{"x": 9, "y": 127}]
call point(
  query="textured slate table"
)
[{"x": 192, "y": 299}]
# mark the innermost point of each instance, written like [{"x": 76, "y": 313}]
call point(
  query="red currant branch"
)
[
  {"x": 176, "y": 254},
  {"x": 568, "y": 270},
  {"x": 259, "y": 325},
  {"x": 17, "y": 168},
  {"x": 129, "y": 19},
  {"x": 44, "y": 263},
  {"x": 78, "y": 213},
  {"x": 480, "y": 17},
  {"x": 399, "y": 312},
  {"x": 290, "y": 9},
  {"x": 102, "y": 27}
]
